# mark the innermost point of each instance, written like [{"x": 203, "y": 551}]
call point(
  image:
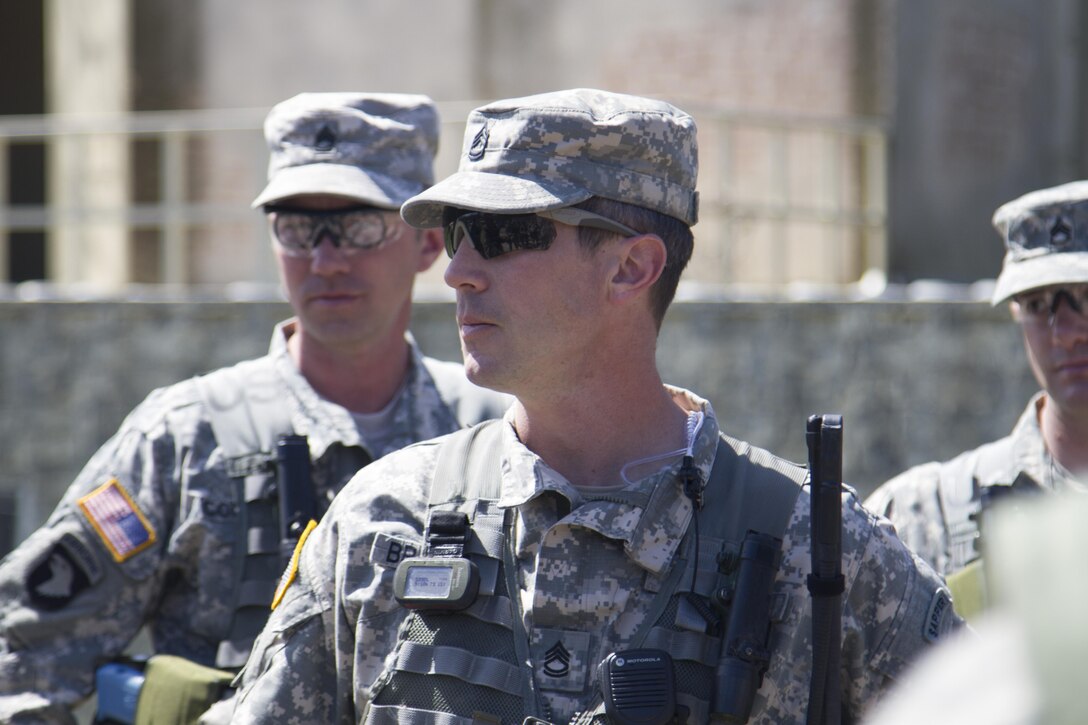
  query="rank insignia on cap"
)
[
  {"x": 479, "y": 144},
  {"x": 1060, "y": 234},
  {"x": 118, "y": 520},
  {"x": 325, "y": 139}
]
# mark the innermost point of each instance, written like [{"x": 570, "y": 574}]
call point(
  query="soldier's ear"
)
[
  {"x": 431, "y": 245},
  {"x": 638, "y": 264}
]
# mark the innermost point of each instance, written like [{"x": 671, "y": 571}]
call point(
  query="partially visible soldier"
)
[
  {"x": 1022, "y": 662},
  {"x": 938, "y": 508},
  {"x": 539, "y": 568},
  {"x": 173, "y": 523}
]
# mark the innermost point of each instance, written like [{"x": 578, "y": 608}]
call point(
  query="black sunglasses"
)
[{"x": 494, "y": 234}]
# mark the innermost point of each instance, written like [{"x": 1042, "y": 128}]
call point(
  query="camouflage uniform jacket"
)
[
  {"x": 588, "y": 566},
  {"x": 934, "y": 506},
  {"x": 77, "y": 590}
]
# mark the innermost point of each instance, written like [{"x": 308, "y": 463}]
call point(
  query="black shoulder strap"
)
[{"x": 749, "y": 489}]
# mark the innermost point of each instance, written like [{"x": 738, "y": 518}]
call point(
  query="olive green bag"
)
[{"x": 177, "y": 691}]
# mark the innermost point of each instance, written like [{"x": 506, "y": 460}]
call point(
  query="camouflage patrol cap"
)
[
  {"x": 377, "y": 148},
  {"x": 1046, "y": 239},
  {"x": 553, "y": 150}
]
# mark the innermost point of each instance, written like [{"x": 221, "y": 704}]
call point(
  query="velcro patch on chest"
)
[
  {"x": 388, "y": 551},
  {"x": 120, "y": 523}
]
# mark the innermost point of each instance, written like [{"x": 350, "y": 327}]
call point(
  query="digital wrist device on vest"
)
[{"x": 444, "y": 579}]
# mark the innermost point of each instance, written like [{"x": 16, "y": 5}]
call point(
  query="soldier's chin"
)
[{"x": 485, "y": 374}]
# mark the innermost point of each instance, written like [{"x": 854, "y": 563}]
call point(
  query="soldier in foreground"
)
[
  {"x": 606, "y": 532},
  {"x": 939, "y": 508},
  {"x": 176, "y": 523}
]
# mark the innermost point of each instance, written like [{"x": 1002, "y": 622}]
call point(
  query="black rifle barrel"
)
[{"x": 825, "y": 583}]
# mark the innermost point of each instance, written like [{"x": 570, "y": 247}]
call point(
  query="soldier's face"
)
[
  {"x": 528, "y": 318},
  {"x": 350, "y": 297},
  {"x": 1057, "y": 347}
]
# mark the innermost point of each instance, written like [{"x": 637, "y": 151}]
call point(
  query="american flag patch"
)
[{"x": 118, "y": 520}]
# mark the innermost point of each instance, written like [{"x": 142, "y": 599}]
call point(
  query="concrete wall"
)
[{"x": 915, "y": 381}]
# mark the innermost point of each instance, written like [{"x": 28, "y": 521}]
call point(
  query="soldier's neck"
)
[
  {"x": 362, "y": 379},
  {"x": 1066, "y": 437},
  {"x": 589, "y": 439}
]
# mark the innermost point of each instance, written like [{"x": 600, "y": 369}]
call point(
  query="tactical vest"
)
[
  {"x": 473, "y": 666},
  {"x": 248, "y": 415},
  {"x": 966, "y": 486}
]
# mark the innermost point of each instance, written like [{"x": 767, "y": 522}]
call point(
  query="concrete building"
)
[{"x": 844, "y": 143}]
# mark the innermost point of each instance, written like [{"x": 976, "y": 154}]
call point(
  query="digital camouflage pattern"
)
[
  {"x": 377, "y": 148},
  {"x": 1046, "y": 239},
  {"x": 911, "y": 500},
  {"x": 66, "y": 604},
  {"x": 588, "y": 565},
  {"x": 558, "y": 149}
]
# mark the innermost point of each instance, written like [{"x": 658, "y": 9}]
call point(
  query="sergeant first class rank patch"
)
[{"x": 118, "y": 520}]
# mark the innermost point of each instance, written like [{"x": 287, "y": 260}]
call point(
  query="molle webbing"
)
[
  {"x": 959, "y": 489},
  {"x": 749, "y": 490},
  {"x": 248, "y": 415},
  {"x": 450, "y": 667}
]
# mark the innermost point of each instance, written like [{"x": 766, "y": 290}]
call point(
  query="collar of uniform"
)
[
  {"x": 1031, "y": 455},
  {"x": 324, "y": 422},
  {"x": 650, "y": 516}
]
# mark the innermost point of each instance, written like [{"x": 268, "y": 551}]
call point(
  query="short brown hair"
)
[{"x": 675, "y": 233}]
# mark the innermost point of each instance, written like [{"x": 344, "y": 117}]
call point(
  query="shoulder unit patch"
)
[
  {"x": 938, "y": 617},
  {"x": 68, "y": 568}
]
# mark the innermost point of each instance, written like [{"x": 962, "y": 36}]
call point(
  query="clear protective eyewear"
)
[
  {"x": 494, "y": 234},
  {"x": 298, "y": 231},
  {"x": 1040, "y": 306}
]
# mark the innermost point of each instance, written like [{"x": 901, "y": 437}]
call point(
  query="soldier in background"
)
[
  {"x": 173, "y": 523},
  {"x": 1022, "y": 661},
  {"x": 939, "y": 508},
  {"x": 606, "y": 520}
]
